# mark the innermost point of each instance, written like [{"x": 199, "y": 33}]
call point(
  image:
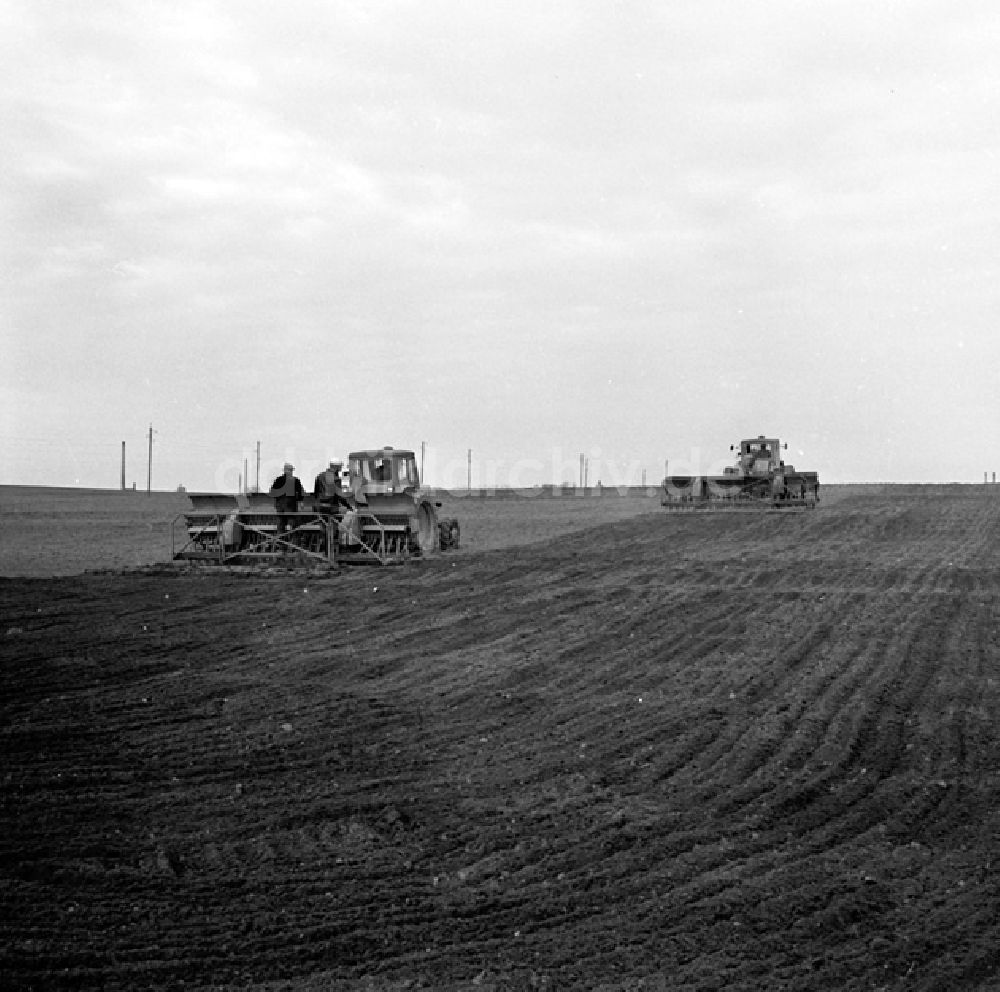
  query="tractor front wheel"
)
[{"x": 450, "y": 534}]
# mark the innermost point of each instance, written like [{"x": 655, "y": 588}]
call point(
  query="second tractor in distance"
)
[{"x": 760, "y": 479}]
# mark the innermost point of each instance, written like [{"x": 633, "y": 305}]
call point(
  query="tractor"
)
[
  {"x": 758, "y": 480},
  {"x": 391, "y": 514},
  {"x": 381, "y": 515}
]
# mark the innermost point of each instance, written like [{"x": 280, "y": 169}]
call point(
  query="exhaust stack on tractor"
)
[{"x": 759, "y": 479}]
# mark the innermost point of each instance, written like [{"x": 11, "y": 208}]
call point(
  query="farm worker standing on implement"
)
[
  {"x": 330, "y": 500},
  {"x": 288, "y": 493},
  {"x": 326, "y": 488}
]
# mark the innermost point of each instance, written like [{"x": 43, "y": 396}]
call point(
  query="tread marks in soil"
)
[{"x": 653, "y": 769}]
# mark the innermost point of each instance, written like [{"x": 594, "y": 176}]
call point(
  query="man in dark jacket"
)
[
  {"x": 327, "y": 490},
  {"x": 288, "y": 493}
]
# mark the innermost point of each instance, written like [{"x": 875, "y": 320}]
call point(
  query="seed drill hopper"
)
[{"x": 758, "y": 480}]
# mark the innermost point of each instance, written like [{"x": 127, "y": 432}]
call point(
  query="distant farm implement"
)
[
  {"x": 759, "y": 480},
  {"x": 381, "y": 516}
]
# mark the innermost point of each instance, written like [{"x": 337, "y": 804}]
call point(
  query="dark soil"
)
[{"x": 682, "y": 751}]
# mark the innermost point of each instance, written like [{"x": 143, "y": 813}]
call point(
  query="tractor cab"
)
[
  {"x": 759, "y": 457},
  {"x": 382, "y": 471}
]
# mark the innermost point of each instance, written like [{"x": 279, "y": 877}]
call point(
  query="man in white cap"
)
[
  {"x": 326, "y": 488},
  {"x": 287, "y": 492}
]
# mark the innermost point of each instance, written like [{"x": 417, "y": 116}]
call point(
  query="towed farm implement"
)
[
  {"x": 759, "y": 480},
  {"x": 384, "y": 516}
]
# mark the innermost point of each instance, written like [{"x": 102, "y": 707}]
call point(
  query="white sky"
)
[{"x": 637, "y": 230}]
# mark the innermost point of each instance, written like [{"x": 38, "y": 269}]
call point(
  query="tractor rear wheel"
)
[{"x": 426, "y": 532}]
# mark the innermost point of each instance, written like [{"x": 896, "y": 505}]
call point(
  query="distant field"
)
[{"x": 68, "y": 531}]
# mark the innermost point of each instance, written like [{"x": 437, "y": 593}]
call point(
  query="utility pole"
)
[
  {"x": 246, "y": 477},
  {"x": 581, "y": 470},
  {"x": 423, "y": 446},
  {"x": 123, "y": 466},
  {"x": 470, "y": 470},
  {"x": 149, "y": 463},
  {"x": 257, "y": 486}
]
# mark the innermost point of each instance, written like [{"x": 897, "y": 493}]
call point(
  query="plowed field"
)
[{"x": 677, "y": 751}]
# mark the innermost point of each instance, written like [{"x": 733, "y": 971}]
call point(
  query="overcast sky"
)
[{"x": 636, "y": 230}]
